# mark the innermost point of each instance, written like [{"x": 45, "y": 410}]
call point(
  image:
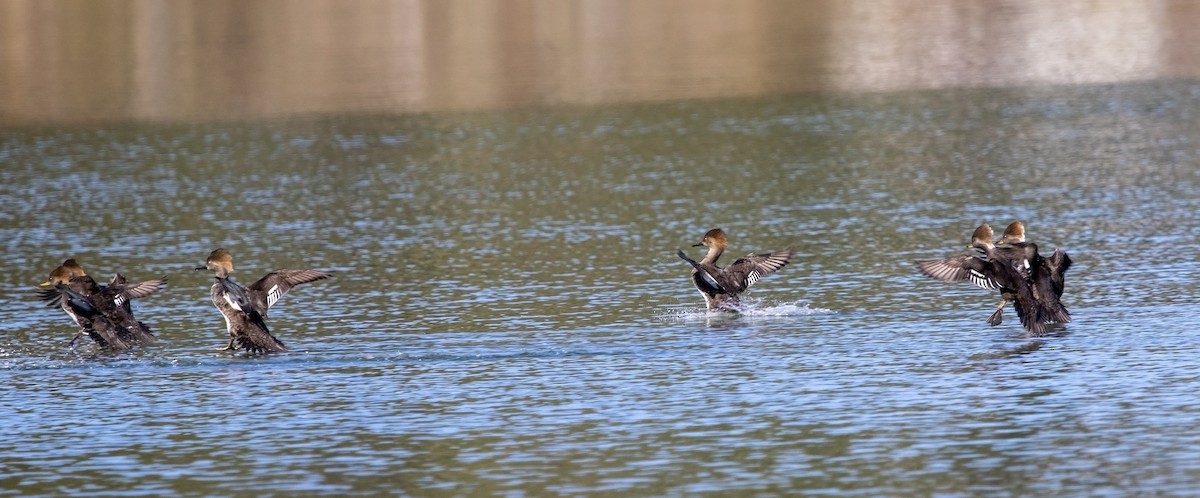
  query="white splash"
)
[
  {"x": 758, "y": 307},
  {"x": 749, "y": 307}
]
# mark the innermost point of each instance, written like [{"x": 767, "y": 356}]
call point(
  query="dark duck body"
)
[
  {"x": 108, "y": 310},
  {"x": 1012, "y": 269},
  {"x": 92, "y": 322},
  {"x": 1047, "y": 274},
  {"x": 245, "y": 309},
  {"x": 721, "y": 286}
]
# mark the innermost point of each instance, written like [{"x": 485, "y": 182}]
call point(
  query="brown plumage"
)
[
  {"x": 1013, "y": 269},
  {"x": 721, "y": 286},
  {"x": 245, "y": 308},
  {"x": 107, "y": 308},
  {"x": 92, "y": 321},
  {"x": 1047, "y": 274}
]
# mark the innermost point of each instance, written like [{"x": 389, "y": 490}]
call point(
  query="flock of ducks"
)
[
  {"x": 103, "y": 313},
  {"x": 1032, "y": 283}
]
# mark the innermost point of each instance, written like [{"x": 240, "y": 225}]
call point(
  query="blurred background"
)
[{"x": 64, "y": 61}]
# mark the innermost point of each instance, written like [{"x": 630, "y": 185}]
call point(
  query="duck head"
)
[
  {"x": 219, "y": 261},
  {"x": 1013, "y": 234},
  {"x": 714, "y": 238}
]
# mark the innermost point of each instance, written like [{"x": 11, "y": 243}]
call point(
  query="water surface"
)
[{"x": 507, "y": 315}]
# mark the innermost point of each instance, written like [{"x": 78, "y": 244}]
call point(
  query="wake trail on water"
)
[{"x": 751, "y": 308}]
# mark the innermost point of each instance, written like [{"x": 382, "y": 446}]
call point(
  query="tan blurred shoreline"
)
[{"x": 64, "y": 61}]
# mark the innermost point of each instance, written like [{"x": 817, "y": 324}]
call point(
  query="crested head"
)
[
  {"x": 714, "y": 238},
  {"x": 982, "y": 237},
  {"x": 60, "y": 275},
  {"x": 73, "y": 267},
  {"x": 1013, "y": 234},
  {"x": 219, "y": 261}
]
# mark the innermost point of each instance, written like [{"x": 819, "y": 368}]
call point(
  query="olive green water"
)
[{"x": 507, "y": 315}]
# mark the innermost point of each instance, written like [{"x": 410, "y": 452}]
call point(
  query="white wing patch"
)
[
  {"x": 273, "y": 294},
  {"x": 119, "y": 300},
  {"x": 752, "y": 277},
  {"x": 982, "y": 280}
]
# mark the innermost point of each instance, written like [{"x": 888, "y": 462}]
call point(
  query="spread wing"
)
[
  {"x": 958, "y": 269},
  {"x": 52, "y": 296},
  {"x": 268, "y": 290},
  {"x": 143, "y": 289},
  {"x": 748, "y": 269},
  {"x": 126, "y": 292}
]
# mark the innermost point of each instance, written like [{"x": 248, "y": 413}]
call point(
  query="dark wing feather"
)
[
  {"x": 703, "y": 279},
  {"x": 1029, "y": 311},
  {"x": 747, "y": 270},
  {"x": 268, "y": 290},
  {"x": 51, "y": 295},
  {"x": 248, "y": 328},
  {"x": 1048, "y": 286},
  {"x": 121, "y": 292},
  {"x": 236, "y": 296},
  {"x": 93, "y": 321},
  {"x": 1057, "y": 265},
  {"x": 256, "y": 338},
  {"x": 77, "y": 302},
  {"x": 143, "y": 289},
  {"x": 958, "y": 269}
]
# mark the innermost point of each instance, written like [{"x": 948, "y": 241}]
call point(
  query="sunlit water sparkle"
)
[{"x": 507, "y": 314}]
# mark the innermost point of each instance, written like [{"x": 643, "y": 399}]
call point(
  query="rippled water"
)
[{"x": 507, "y": 315}]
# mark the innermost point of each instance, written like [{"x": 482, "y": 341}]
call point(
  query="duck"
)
[
  {"x": 1007, "y": 269},
  {"x": 109, "y": 302},
  {"x": 1050, "y": 277},
  {"x": 245, "y": 309},
  {"x": 722, "y": 286},
  {"x": 92, "y": 321},
  {"x": 61, "y": 275}
]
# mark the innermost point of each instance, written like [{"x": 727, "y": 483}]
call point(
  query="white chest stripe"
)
[{"x": 273, "y": 296}]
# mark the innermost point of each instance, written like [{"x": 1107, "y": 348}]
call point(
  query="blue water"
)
[{"x": 507, "y": 315}]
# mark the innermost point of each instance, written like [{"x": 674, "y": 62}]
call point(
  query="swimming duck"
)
[
  {"x": 245, "y": 308},
  {"x": 721, "y": 286},
  {"x": 1006, "y": 269},
  {"x": 92, "y": 322},
  {"x": 1049, "y": 278},
  {"x": 109, "y": 302}
]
